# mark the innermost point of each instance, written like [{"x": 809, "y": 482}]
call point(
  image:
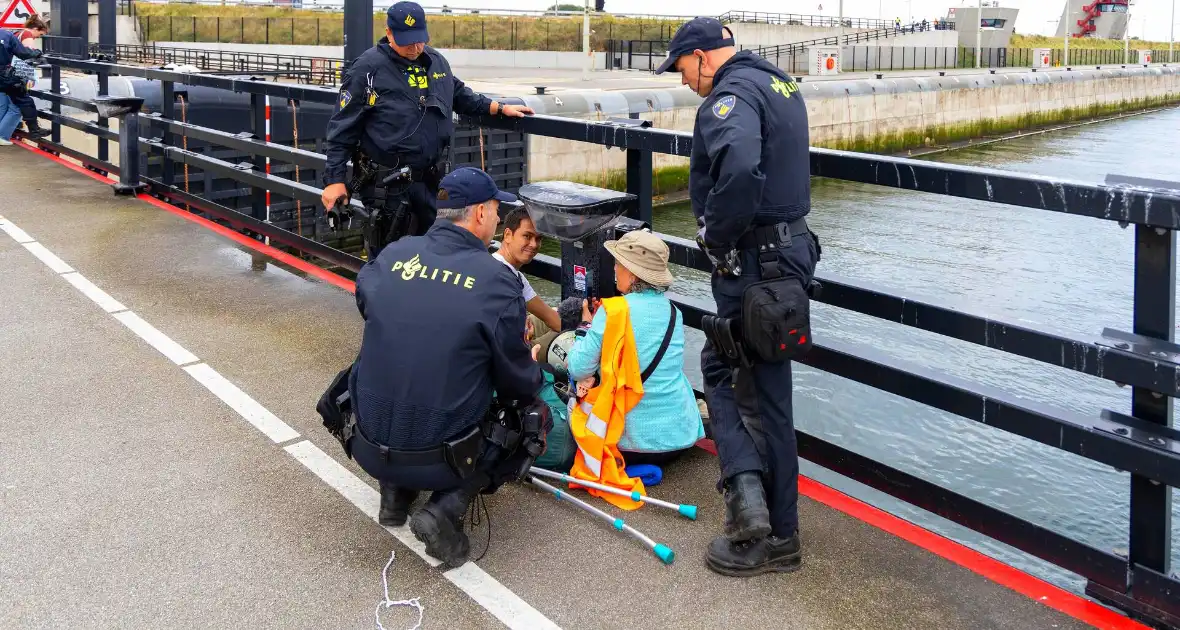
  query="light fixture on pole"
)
[{"x": 586, "y": 42}]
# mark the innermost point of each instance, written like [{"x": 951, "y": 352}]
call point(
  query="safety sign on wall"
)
[
  {"x": 15, "y": 14},
  {"x": 825, "y": 60}
]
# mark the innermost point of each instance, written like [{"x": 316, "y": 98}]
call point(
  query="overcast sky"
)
[{"x": 1036, "y": 16}]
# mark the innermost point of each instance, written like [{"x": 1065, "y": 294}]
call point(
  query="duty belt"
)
[{"x": 774, "y": 236}]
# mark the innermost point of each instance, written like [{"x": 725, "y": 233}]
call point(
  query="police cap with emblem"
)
[
  {"x": 469, "y": 186},
  {"x": 407, "y": 21},
  {"x": 702, "y": 33}
]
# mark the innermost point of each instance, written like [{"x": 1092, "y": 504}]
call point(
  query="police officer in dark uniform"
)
[
  {"x": 750, "y": 187},
  {"x": 394, "y": 122},
  {"x": 443, "y": 336}
]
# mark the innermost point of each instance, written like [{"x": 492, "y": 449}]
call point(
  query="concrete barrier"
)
[
  {"x": 459, "y": 57},
  {"x": 872, "y": 115}
]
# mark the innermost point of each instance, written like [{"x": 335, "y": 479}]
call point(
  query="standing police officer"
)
[
  {"x": 750, "y": 188},
  {"x": 444, "y": 327},
  {"x": 394, "y": 123}
]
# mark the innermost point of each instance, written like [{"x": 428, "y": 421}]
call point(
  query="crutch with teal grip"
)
[
  {"x": 662, "y": 552},
  {"x": 687, "y": 511}
]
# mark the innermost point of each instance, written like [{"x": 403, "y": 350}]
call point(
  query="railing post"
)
[
  {"x": 258, "y": 127},
  {"x": 106, "y": 45},
  {"x": 1154, "y": 316},
  {"x": 168, "y": 111},
  {"x": 639, "y": 180},
  {"x": 55, "y": 84}
]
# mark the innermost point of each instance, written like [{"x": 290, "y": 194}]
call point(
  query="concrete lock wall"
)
[
  {"x": 460, "y": 58},
  {"x": 886, "y": 115}
]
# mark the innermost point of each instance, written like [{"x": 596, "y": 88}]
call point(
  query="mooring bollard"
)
[{"x": 126, "y": 110}]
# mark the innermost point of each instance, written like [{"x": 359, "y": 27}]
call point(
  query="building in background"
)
[
  {"x": 1106, "y": 19},
  {"x": 997, "y": 22}
]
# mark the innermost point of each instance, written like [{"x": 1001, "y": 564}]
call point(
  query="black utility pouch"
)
[
  {"x": 776, "y": 320},
  {"x": 463, "y": 452},
  {"x": 725, "y": 335}
]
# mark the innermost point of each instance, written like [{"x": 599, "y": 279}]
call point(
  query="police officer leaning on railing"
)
[
  {"x": 750, "y": 187},
  {"x": 444, "y": 329},
  {"x": 394, "y": 122}
]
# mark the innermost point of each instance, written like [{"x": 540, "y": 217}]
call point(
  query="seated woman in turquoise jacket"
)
[{"x": 667, "y": 420}]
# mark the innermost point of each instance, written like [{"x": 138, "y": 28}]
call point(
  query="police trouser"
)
[
  {"x": 750, "y": 411},
  {"x": 28, "y": 108},
  {"x": 493, "y": 466},
  {"x": 402, "y": 210}
]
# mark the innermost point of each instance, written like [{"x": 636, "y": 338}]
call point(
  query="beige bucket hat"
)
[{"x": 644, "y": 255}]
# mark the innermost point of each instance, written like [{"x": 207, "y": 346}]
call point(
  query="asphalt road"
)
[{"x": 133, "y": 496}]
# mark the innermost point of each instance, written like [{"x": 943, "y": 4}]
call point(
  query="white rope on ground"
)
[{"x": 386, "y": 603}]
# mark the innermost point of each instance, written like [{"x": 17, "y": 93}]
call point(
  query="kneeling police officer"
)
[
  {"x": 394, "y": 123},
  {"x": 749, "y": 179},
  {"x": 443, "y": 336}
]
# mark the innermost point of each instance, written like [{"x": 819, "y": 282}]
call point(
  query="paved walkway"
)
[{"x": 162, "y": 465}]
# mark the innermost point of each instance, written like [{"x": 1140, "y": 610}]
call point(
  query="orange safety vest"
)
[{"x": 597, "y": 420}]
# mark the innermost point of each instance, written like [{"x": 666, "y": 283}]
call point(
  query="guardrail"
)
[
  {"x": 841, "y": 40},
  {"x": 762, "y": 17},
  {"x": 1143, "y": 444}
]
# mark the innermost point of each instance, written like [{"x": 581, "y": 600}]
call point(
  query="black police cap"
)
[{"x": 702, "y": 33}]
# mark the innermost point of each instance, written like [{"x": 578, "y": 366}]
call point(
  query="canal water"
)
[{"x": 1038, "y": 268}]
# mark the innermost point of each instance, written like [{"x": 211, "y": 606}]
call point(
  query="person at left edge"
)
[
  {"x": 444, "y": 328},
  {"x": 395, "y": 107}
]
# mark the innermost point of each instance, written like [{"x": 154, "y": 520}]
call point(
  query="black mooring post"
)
[
  {"x": 129, "y": 183},
  {"x": 358, "y": 28},
  {"x": 639, "y": 181},
  {"x": 586, "y": 267},
  {"x": 258, "y": 127},
  {"x": 1154, "y": 316}
]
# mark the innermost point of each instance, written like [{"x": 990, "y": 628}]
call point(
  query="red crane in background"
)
[{"x": 1092, "y": 13}]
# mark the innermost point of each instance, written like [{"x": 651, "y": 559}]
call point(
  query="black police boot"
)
[
  {"x": 439, "y": 525},
  {"x": 754, "y": 557},
  {"x": 395, "y": 505},
  {"x": 746, "y": 514},
  {"x": 35, "y": 130}
]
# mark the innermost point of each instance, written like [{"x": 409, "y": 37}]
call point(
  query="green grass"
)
[
  {"x": 1081, "y": 43},
  {"x": 276, "y": 25}
]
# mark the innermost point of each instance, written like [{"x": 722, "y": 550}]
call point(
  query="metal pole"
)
[
  {"x": 358, "y": 28},
  {"x": 585, "y": 41},
  {"x": 840, "y": 37},
  {"x": 978, "y": 33},
  {"x": 1172, "y": 35}
]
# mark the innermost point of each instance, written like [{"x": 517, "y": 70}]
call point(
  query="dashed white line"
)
[
  {"x": 505, "y": 605},
  {"x": 358, "y": 493},
  {"x": 485, "y": 590},
  {"x": 156, "y": 339},
  {"x": 254, "y": 413},
  {"x": 16, "y": 233},
  {"x": 88, "y": 288},
  {"x": 49, "y": 258}
]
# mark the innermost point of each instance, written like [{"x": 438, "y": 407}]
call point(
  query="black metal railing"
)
[
  {"x": 847, "y": 39},
  {"x": 795, "y": 19},
  {"x": 313, "y": 70},
  {"x": 1143, "y": 444}
]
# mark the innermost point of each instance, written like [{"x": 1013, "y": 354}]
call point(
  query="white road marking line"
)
[
  {"x": 254, "y": 413},
  {"x": 510, "y": 609},
  {"x": 16, "y": 233},
  {"x": 49, "y": 258},
  {"x": 88, "y": 288},
  {"x": 156, "y": 339},
  {"x": 358, "y": 493},
  {"x": 489, "y": 593}
]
